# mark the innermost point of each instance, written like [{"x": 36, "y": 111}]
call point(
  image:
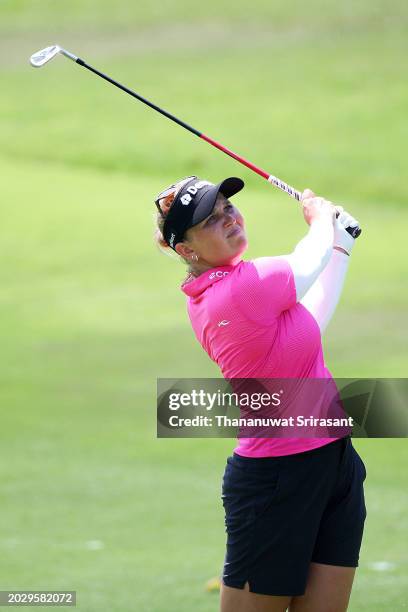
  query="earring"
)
[{"x": 194, "y": 257}]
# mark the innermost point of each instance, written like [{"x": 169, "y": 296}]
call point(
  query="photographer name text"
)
[{"x": 224, "y": 421}]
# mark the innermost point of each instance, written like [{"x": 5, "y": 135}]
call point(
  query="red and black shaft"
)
[
  {"x": 355, "y": 232},
  {"x": 185, "y": 125}
]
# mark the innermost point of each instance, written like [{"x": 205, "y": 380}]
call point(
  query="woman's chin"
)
[
  {"x": 241, "y": 245},
  {"x": 242, "y": 242}
]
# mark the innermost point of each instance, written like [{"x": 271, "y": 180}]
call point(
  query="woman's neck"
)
[{"x": 199, "y": 268}]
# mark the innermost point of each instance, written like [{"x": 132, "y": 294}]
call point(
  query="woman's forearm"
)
[
  {"x": 311, "y": 255},
  {"x": 322, "y": 298}
]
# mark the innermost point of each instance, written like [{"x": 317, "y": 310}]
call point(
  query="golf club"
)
[{"x": 40, "y": 58}]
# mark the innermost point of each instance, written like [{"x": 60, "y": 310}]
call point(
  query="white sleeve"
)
[
  {"x": 322, "y": 298},
  {"x": 311, "y": 255}
]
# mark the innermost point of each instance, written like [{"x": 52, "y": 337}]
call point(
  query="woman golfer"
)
[{"x": 294, "y": 507}]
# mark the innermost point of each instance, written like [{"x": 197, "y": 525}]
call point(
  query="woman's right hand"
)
[{"x": 315, "y": 208}]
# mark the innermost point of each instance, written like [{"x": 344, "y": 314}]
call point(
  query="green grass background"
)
[{"x": 91, "y": 313}]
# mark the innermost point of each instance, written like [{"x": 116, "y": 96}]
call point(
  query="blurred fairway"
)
[{"x": 91, "y": 313}]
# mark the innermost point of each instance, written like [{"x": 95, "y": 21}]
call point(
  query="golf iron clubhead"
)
[{"x": 42, "y": 57}]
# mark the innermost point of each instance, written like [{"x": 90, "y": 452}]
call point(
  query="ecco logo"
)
[
  {"x": 191, "y": 191},
  {"x": 218, "y": 274}
]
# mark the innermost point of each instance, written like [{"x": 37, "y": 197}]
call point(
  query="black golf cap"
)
[{"x": 193, "y": 203}]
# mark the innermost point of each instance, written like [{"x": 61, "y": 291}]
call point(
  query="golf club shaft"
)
[
  {"x": 269, "y": 177},
  {"x": 38, "y": 59}
]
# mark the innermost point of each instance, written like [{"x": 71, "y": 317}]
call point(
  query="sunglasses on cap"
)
[{"x": 167, "y": 196}]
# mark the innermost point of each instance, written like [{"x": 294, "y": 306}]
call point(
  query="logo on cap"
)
[{"x": 191, "y": 191}]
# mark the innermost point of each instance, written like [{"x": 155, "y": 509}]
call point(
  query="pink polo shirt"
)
[{"x": 248, "y": 321}]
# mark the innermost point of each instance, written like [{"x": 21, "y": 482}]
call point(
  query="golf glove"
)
[{"x": 342, "y": 238}]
